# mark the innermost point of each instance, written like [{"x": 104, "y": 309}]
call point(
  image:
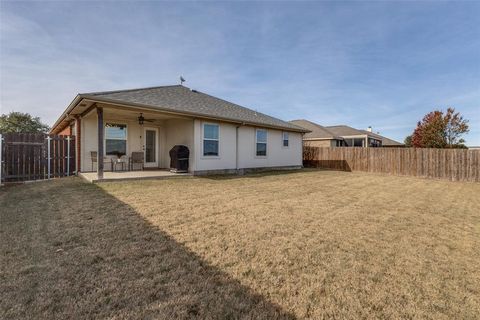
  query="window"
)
[
  {"x": 285, "y": 139},
  {"x": 358, "y": 142},
  {"x": 261, "y": 142},
  {"x": 374, "y": 143},
  {"x": 115, "y": 139},
  {"x": 339, "y": 143},
  {"x": 210, "y": 139}
]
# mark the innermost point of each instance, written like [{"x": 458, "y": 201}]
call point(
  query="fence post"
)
[
  {"x": 1, "y": 160},
  {"x": 68, "y": 156},
  {"x": 48, "y": 157}
]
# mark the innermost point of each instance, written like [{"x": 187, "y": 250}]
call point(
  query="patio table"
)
[{"x": 123, "y": 160}]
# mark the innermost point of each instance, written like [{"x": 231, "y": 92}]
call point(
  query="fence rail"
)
[
  {"x": 450, "y": 164},
  {"x": 34, "y": 156}
]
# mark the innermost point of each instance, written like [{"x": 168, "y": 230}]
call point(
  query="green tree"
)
[
  {"x": 440, "y": 130},
  {"x": 455, "y": 127},
  {"x": 21, "y": 122},
  {"x": 408, "y": 141}
]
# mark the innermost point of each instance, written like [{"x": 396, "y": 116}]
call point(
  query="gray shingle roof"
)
[
  {"x": 343, "y": 130},
  {"x": 183, "y": 100},
  {"x": 317, "y": 131},
  {"x": 339, "y": 131}
]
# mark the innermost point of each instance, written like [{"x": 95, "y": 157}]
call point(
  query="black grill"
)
[{"x": 179, "y": 158}]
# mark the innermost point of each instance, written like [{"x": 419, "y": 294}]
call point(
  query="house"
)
[
  {"x": 319, "y": 136},
  {"x": 342, "y": 136},
  {"x": 222, "y": 137}
]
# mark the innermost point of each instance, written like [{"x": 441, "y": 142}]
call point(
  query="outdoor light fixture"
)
[{"x": 141, "y": 119}]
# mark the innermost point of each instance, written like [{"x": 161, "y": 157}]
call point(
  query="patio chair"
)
[
  {"x": 136, "y": 158},
  {"x": 94, "y": 157}
]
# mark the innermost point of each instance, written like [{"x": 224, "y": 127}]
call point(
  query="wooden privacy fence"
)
[
  {"x": 35, "y": 156},
  {"x": 451, "y": 164}
]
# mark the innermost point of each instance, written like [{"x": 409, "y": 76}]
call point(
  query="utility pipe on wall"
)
[{"x": 236, "y": 148}]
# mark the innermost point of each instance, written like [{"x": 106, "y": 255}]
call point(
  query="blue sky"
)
[{"x": 371, "y": 63}]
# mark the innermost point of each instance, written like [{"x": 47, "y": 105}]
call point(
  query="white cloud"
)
[{"x": 354, "y": 64}]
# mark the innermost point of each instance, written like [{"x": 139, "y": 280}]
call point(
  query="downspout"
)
[
  {"x": 236, "y": 148},
  {"x": 301, "y": 149}
]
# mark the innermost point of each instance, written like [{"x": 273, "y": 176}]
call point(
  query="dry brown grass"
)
[{"x": 312, "y": 244}]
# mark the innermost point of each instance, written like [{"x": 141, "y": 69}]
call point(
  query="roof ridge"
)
[
  {"x": 340, "y": 125},
  {"x": 134, "y": 89},
  {"x": 319, "y": 126},
  {"x": 311, "y": 122},
  {"x": 300, "y": 120}
]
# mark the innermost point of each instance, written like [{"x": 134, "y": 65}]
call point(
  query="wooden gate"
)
[{"x": 36, "y": 156}]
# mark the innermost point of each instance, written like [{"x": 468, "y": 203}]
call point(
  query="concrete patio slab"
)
[{"x": 132, "y": 175}]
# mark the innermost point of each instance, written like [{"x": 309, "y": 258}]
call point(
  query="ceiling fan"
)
[{"x": 141, "y": 119}]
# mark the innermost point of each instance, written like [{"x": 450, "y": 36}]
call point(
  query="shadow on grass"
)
[
  {"x": 259, "y": 174},
  {"x": 340, "y": 165},
  {"x": 73, "y": 251}
]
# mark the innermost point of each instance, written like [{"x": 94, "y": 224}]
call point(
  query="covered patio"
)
[
  {"x": 132, "y": 175},
  {"x": 119, "y": 143}
]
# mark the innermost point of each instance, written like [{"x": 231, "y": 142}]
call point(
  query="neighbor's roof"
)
[
  {"x": 385, "y": 141},
  {"x": 317, "y": 131},
  {"x": 180, "y": 99},
  {"x": 343, "y": 130},
  {"x": 339, "y": 132}
]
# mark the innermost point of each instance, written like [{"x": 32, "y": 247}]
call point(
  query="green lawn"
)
[{"x": 309, "y": 244}]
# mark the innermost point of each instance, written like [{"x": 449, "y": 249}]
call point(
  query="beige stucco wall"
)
[
  {"x": 178, "y": 131},
  {"x": 135, "y": 136},
  {"x": 226, "y": 148},
  {"x": 189, "y": 133},
  {"x": 277, "y": 155}
]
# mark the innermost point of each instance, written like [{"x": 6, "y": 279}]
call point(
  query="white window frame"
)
[
  {"x": 283, "y": 139},
  {"x": 203, "y": 139},
  {"x": 266, "y": 142},
  {"x": 105, "y": 137}
]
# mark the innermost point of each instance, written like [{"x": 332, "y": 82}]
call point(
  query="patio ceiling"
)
[
  {"x": 83, "y": 107},
  {"x": 129, "y": 115}
]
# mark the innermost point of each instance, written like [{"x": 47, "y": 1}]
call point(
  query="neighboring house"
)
[
  {"x": 385, "y": 142},
  {"x": 343, "y": 136},
  {"x": 319, "y": 136},
  {"x": 222, "y": 137}
]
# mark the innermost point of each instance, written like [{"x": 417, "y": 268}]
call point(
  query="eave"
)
[{"x": 63, "y": 121}]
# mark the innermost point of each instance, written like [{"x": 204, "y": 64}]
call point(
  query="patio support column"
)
[{"x": 100, "y": 143}]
